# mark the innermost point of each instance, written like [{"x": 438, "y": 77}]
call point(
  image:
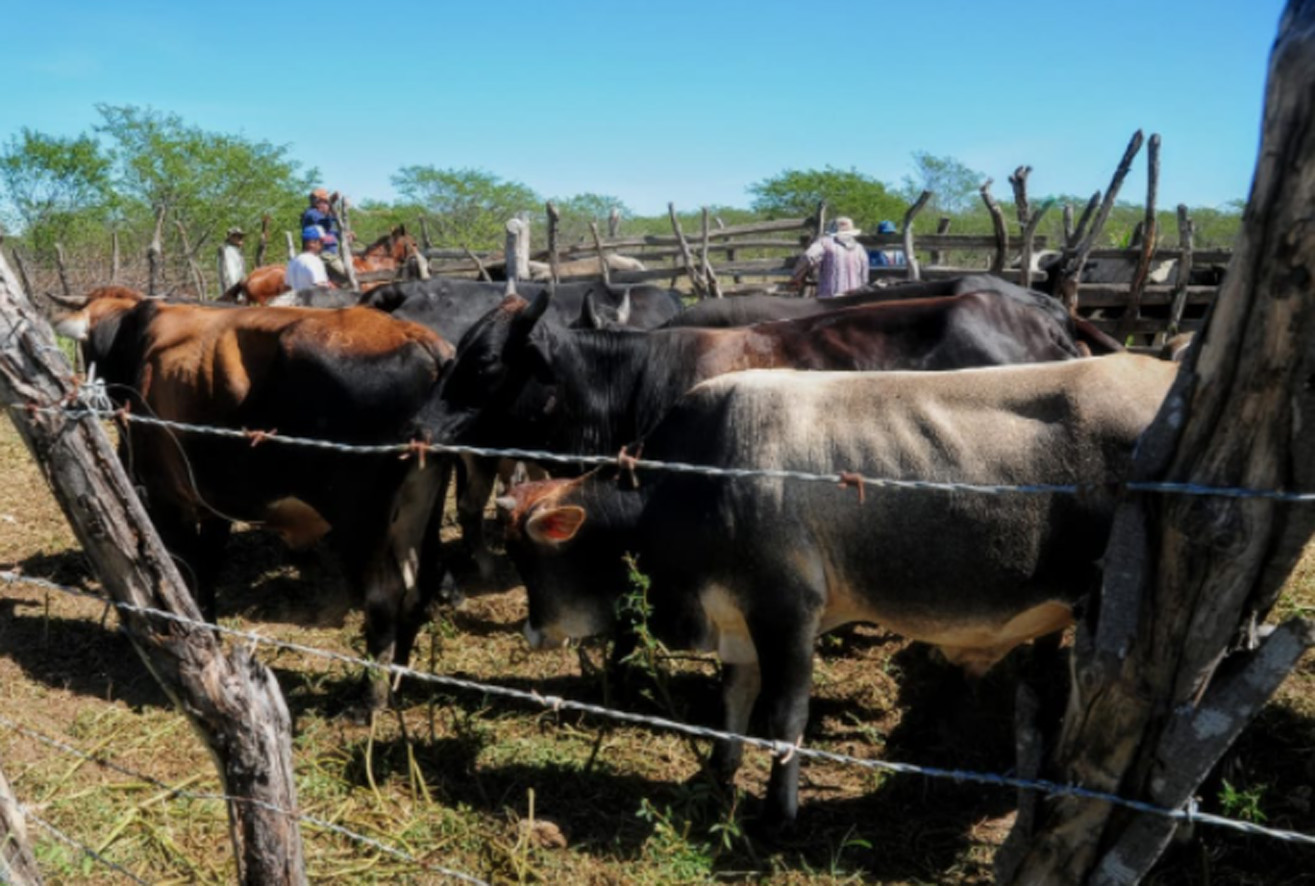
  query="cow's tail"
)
[{"x": 1097, "y": 342}]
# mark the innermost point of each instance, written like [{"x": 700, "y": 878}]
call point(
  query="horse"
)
[{"x": 388, "y": 253}]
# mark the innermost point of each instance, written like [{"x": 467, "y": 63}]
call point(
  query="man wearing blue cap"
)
[
  {"x": 887, "y": 257},
  {"x": 307, "y": 269}
]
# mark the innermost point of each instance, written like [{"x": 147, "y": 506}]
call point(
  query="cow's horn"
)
[
  {"x": 505, "y": 503},
  {"x": 589, "y": 312},
  {"x": 67, "y": 302},
  {"x": 623, "y": 312}
]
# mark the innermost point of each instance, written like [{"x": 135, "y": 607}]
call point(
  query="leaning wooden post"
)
[
  {"x": 1070, "y": 270},
  {"x": 1169, "y": 665},
  {"x": 424, "y": 233},
  {"x": 114, "y": 256},
  {"x": 942, "y": 227},
  {"x": 155, "y": 252},
  {"x": 554, "y": 260},
  {"x": 614, "y": 223},
  {"x": 482, "y": 271},
  {"x": 1068, "y": 222},
  {"x": 709, "y": 275},
  {"x": 1149, "y": 238},
  {"x": 17, "y": 864},
  {"x": 685, "y": 254},
  {"x": 1183, "y": 275},
  {"x": 264, "y": 240},
  {"x": 345, "y": 247},
  {"x": 998, "y": 225},
  {"x": 913, "y": 272},
  {"x": 602, "y": 257},
  {"x": 63, "y": 269},
  {"x": 1019, "y": 183},
  {"x": 1072, "y": 241},
  {"x": 232, "y": 700},
  {"x": 193, "y": 270},
  {"x": 22, "y": 271}
]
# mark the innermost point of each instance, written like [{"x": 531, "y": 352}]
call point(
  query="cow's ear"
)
[{"x": 554, "y": 526}]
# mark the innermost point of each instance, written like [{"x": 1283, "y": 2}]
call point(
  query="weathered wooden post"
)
[
  {"x": 292, "y": 246},
  {"x": 517, "y": 252},
  {"x": 614, "y": 223},
  {"x": 1150, "y": 232},
  {"x": 603, "y": 270},
  {"x": 424, "y": 233},
  {"x": 942, "y": 227},
  {"x": 1183, "y": 274},
  {"x": 554, "y": 260},
  {"x": 913, "y": 271},
  {"x": 1169, "y": 664},
  {"x": 232, "y": 701},
  {"x": 482, "y": 271},
  {"x": 61, "y": 266},
  {"x": 17, "y": 864},
  {"x": 695, "y": 282},
  {"x": 114, "y": 256},
  {"x": 345, "y": 247},
  {"x": 155, "y": 252},
  {"x": 1070, "y": 269},
  {"x": 710, "y": 281},
  {"x": 998, "y": 225}
]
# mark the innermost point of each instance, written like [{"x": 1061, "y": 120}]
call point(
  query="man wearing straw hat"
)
[
  {"x": 840, "y": 260},
  {"x": 232, "y": 266}
]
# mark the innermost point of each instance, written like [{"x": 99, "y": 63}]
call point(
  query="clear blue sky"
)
[{"x": 683, "y": 101}]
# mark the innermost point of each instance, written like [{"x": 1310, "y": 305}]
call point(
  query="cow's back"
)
[{"x": 945, "y": 567}]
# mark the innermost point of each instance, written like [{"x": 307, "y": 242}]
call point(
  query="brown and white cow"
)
[
  {"x": 354, "y": 375},
  {"x": 755, "y": 569}
]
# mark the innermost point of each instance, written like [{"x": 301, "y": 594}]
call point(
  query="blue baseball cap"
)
[
  {"x": 312, "y": 232},
  {"x": 886, "y": 228}
]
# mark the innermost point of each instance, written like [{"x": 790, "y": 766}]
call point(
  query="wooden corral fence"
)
[{"x": 1142, "y": 294}]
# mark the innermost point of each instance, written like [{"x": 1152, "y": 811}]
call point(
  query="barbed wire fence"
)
[{"x": 92, "y": 403}]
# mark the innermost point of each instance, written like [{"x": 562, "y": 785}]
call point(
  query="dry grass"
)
[{"x": 512, "y": 793}]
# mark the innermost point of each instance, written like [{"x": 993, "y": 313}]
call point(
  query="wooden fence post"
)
[
  {"x": 232, "y": 700},
  {"x": 517, "y": 252},
  {"x": 345, "y": 247},
  {"x": 63, "y": 269},
  {"x": 292, "y": 246},
  {"x": 1169, "y": 666},
  {"x": 264, "y": 241},
  {"x": 685, "y": 254},
  {"x": 114, "y": 257},
  {"x": 1019, "y": 183},
  {"x": 479, "y": 265},
  {"x": 1149, "y": 238},
  {"x": 1183, "y": 276},
  {"x": 554, "y": 260},
  {"x": 614, "y": 223},
  {"x": 1070, "y": 270},
  {"x": 155, "y": 252},
  {"x": 709, "y": 275},
  {"x": 913, "y": 272},
  {"x": 998, "y": 225},
  {"x": 17, "y": 864},
  {"x": 942, "y": 227},
  {"x": 602, "y": 257},
  {"x": 424, "y": 232}
]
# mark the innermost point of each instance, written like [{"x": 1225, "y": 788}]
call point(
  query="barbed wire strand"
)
[
  {"x": 847, "y": 478},
  {"x": 81, "y": 847},
  {"x": 206, "y": 795},
  {"x": 1189, "y": 813}
]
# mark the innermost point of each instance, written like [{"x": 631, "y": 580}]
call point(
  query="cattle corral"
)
[{"x": 610, "y": 802}]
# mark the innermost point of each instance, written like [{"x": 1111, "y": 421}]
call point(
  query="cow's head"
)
[
  {"x": 594, "y": 316},
  {"x": 567, "y": 540},
  {"x": 75, "y": 317},
  {"x": 500, "y": 386}
]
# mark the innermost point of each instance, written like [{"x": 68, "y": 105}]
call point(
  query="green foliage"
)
[
  {"x": 1242, "y": 804},
  {"x": 796, "y": 192},
  {"x": 953, "y": 184},
  {"x": 206, "y": 180},
  {"x": 54, "y": 185},
  {"x": 469, "y": 207}
]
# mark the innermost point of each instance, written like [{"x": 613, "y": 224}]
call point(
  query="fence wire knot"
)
[
  {"x": 627, "y": 463},
  {"x": 418, "y": 448},
  {"x": 258, "y": 437},
  {"x": 851, "y": 479}
]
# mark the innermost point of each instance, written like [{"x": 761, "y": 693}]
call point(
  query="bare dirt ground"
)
[{"x": 516, "y": 793}]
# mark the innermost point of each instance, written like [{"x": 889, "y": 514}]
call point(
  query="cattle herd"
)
[{"x": 972, "y": 380}]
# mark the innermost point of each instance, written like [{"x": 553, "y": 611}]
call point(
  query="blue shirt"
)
[{"x": 326, "y": 220}]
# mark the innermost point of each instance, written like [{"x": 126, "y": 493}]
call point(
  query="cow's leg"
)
[
  {"x": 393, "y": 599},
  {"x": 436, "y": 581},
  {"x": 740, "y": 684},
  {"x": 210, "y": 542},
  {"x": 785, "y": 644},
  {"x": 480, "y": 474}
]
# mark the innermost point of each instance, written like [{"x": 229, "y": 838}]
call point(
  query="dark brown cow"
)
[{"x": 354, "y": 375}]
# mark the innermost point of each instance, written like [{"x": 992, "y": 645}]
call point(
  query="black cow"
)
[
  {"x": 749, "y": 309},
  {"x": 755, "y": 569},
  {"x": 351, "y": 376}
]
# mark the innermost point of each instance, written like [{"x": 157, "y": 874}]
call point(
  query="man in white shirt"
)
[
  {"x": 307, "y": 270},
  {"x": 232, "y": 266}
]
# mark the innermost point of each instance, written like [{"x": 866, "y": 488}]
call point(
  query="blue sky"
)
[{"x": 682, "y": 101}]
